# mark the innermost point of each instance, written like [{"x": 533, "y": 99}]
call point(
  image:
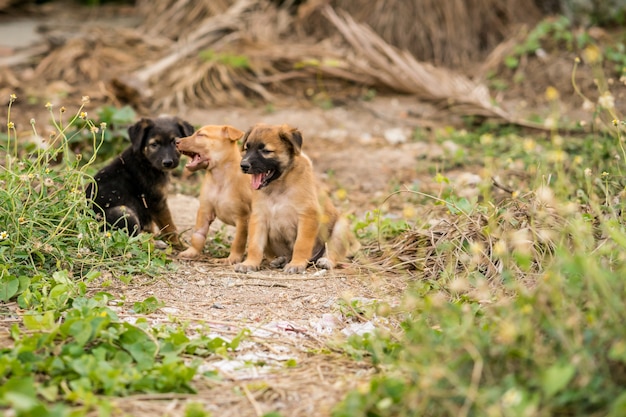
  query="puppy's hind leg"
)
[
  {"x": 342, "y": 244},
  {"x": 123, "y": 217}
]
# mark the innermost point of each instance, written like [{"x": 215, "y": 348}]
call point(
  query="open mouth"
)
[
  {"x": 197, "y": 161},
  {"x": 261, "y": 180}
]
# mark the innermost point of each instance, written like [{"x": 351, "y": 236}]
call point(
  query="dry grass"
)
[{"x": 181, "y": 54}]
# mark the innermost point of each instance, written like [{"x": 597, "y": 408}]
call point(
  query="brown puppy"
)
[
  {"x": 225, "y": 192},
  {"x": 293, "y": 222}
]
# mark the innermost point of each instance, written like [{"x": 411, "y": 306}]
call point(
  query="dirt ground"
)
[{"x": 291, "y": 317}]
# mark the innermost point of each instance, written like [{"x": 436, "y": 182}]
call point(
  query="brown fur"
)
[
  {"x": 293, "y": 221},
  {"x": 225, "y": 192}
]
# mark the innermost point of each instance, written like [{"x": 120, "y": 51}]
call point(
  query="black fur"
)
[
  {"x": 130, "y": 191},
  {"x": 256, "y": 161}
]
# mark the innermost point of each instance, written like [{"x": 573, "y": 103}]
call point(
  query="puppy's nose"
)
[
  {"x": 168, "y": 163},
  {"x": 245, "y": 165}
]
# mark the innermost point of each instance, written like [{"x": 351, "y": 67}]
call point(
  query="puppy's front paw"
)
[
  {"x": 293, "y": 268},
  {"x": 244, "y": 268},
  {"x": 325, "y": 263},
  {"x": 231, "y": 260},
  {"x": 189, "y": 253}
]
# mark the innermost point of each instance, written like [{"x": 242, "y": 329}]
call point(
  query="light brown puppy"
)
[
  {"x": 225, "y": 192},
  {"x": 293, "y": 221}
]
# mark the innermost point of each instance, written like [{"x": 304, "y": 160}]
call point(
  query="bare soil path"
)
[{"x": 288, "y": 363}]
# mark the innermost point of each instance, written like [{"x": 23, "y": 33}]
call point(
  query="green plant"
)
[
  {"x": 517, "y": 306},
  {"x": 230, "y": 60},
  {"x": 69, "y": 352},
  {"x": 112, "y": 140}
]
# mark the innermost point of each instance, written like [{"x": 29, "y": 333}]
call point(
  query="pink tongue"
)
[
  {"x": 257, "y": 179},
  {"x": 194, "y": 161}
]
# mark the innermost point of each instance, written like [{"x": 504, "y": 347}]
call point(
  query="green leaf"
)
[
  {"x": 147, "y": 306},
  {"x": 19, "y": 392},
  {"x": 556, "y": 377},
  {"x": 140, "y": 346},
  {"x": 8, "y": 288},
  {"x": 43, "y": 321}
]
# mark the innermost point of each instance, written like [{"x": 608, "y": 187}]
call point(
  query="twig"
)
[
  {"x": 250, "y": 397},
  {"x": 500, "y": 186}
]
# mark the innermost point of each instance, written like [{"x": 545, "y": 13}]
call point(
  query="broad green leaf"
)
[
  {"x": 43, "y": 321},
  {"x": 556, "y": 377},
  {"x": 8, "y": 288},
  {"x": 141, "y": 347},
  {"x": 19, "y": 392}
]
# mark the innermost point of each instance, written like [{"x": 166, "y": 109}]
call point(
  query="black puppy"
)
[{"x": 130, "y": 192}]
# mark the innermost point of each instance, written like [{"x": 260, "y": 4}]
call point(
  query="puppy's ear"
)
[
  {"x": 245, "y": 139},
  {"x": 292, "y": 137},
  {"x": 231, "y": 133},
  {"x": 185, "y": 128},
  {"x": 137, "y": 132}
]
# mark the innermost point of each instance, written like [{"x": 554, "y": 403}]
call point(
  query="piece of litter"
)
[{"x": 359, "y": 329}]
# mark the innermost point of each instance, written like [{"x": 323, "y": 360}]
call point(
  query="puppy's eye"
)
[
  {"x": 153, "y": 145},
  {"x": 266, "y": 151}
]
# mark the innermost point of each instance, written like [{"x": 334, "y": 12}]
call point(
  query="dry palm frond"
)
[
  {"x": 210, "y": 30},
  {"x": 449, "y": 33},
  {"x": 400, "y": 71},
  {"x": 176, "y": 19}
]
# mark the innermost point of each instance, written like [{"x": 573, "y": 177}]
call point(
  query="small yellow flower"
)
[
  {"x": 486, "y": 139},
  {"x": 615, "y": 122},
  {"x": 11, "y": 125},
  {"x": 103, "y": 125},
  {"x": 62, "y": 109},
  {"x": 552, "y": 94},
  {"x": 83, "y": 115},
  {"x": 529, "y": 145},
  {"x": 94, "y": 129},
  {"x": 592, "y": 54},
  {"x": 4, "y": 235},
  {"x": 557, "y": 156},
  {"x": 21, "y": 220},
  {"x": 577, "y": 160},
  {"x": 605, "y": 174},
  {"x": 107, "y": 234},
  {"x": 48, "y": 105},
  {"x": 408, "y": 212},
  {"x": 514, "y": 194}
]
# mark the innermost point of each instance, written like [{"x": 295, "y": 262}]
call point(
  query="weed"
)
[
  {"x": 70, "y": 352},
  {"x": 517, "y": 305}
]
